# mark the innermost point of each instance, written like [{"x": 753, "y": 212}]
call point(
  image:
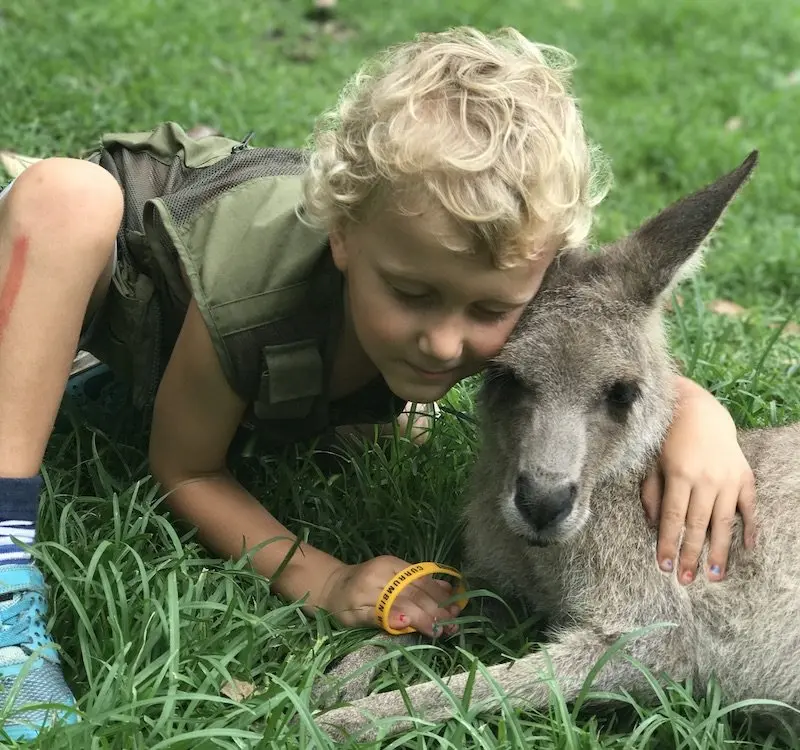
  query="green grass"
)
[{"x": 151, "y": 626}]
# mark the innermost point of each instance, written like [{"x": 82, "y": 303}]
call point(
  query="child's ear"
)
[{"x": 338, "y": 243}]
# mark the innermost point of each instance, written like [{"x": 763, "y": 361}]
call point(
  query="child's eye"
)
[
  {"x": 411, "y": 298},
  {"x": 491, "y": 316}
]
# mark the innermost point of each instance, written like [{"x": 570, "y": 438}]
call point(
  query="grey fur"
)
[{"x": 554, "y": 515}]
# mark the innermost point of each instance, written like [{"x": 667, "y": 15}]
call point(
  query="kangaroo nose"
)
[{"x": 543, "y": 505}]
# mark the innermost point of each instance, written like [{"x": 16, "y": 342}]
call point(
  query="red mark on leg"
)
[{"x": 13, "y": 280}]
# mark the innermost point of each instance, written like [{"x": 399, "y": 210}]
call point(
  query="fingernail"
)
[
  {"x": 436, "y": 628},
  {"x": 687, "y": 576},
  {"x": 666, "y": 566},
  {"x": 715, "y": 570}
]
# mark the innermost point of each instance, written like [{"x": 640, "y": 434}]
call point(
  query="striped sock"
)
[
  {"x": 19, "y": 503},
  {"x": 10, "y": 552}
]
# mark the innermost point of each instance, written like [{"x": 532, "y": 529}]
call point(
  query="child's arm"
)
[
  {"x": 195, "y": 417},
  {"x": 701, "y": 479}
]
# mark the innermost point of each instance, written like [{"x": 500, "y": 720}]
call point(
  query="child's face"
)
[{"x": 427, "y": 316}]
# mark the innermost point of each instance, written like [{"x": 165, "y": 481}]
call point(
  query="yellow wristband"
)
[{"x": 403, "y": 579}]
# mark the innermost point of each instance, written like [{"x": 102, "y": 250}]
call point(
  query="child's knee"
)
[{"x": 76, "y": 201}]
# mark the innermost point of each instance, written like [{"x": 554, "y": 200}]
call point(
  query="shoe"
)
[
  {"x": 30, "y": 670},
  {"x": 89, "y": 385},
  {"x": 96, "y": 395}
]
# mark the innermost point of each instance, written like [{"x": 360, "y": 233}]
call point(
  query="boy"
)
[{"x": 252, "y": 287}]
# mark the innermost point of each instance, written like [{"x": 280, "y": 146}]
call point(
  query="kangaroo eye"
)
[
  {"x": 503, "y": 380},
  {"x": 622, "y": 394}
]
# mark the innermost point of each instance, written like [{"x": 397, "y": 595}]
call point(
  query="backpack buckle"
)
[{"x": 244, "y": 144}]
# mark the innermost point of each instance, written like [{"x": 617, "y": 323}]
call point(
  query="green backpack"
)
[{"x": 264, "y": 282}]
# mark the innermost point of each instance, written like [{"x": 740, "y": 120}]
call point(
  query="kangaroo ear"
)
[{"x": 667, "y": 246}]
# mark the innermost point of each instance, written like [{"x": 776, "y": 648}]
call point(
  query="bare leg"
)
[
  {"x": 525, "y": 683},
  {"x": 57, "y": 229}
]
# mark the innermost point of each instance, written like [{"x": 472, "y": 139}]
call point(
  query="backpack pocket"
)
[{"x": 127, "y": 335}]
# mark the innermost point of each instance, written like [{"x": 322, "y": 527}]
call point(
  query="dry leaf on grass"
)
[
  {"x": 16, "y": 164},
  {"x": 793, "y": 78},
  {"x": 734, "y": 123},
  {"x": 726, "y": 307},
  {"x": 238, "y": 690},
  {"x": 734, "y": 310},
  {"x": 791, "y": 328}
]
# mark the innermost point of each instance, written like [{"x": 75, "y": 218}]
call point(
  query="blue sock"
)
[{"x": 19, "y": 506}]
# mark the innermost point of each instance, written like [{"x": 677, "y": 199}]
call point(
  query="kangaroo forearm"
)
[{"x": 230, "y": 521}]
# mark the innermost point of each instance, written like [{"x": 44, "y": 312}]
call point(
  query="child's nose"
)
[{"x": 443, "y": 343}]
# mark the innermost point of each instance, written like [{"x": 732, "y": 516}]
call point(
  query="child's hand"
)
[
  {"x": 702, "y": 476},
  {"x": 352, "y": 592}
]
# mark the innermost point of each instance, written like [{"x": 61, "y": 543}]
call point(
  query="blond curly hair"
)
[{"x": 483, "y": 127}]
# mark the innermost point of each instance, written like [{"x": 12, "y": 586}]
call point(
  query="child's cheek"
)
[
  {"x": 392, "y": 327},
  {"x": 487, "y": 341},
  {"x": 383, "y": 324}
]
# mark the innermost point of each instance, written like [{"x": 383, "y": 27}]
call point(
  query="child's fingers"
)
[
  {"x": 747, "y": 504},
  {"x": 434, "y": 589},
  {"x": 652, "y": 489},
  {"x": 422, "y": 604},
  {"x": 401, "y": 618},
  {"x": 423, "y": 615},
  {"x": 721, "y": 532},
  {"x": 454, "y": 608},
  {"x": 447, "y": 591},
  {"x": 673, "y": 516},
  {"x": 701, "y": 506}
]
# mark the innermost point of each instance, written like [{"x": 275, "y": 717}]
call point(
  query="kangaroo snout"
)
[{"x": 543, "y": 504}]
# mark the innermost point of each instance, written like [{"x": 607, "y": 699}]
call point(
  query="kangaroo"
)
[{"x": 573, "y": 412}]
